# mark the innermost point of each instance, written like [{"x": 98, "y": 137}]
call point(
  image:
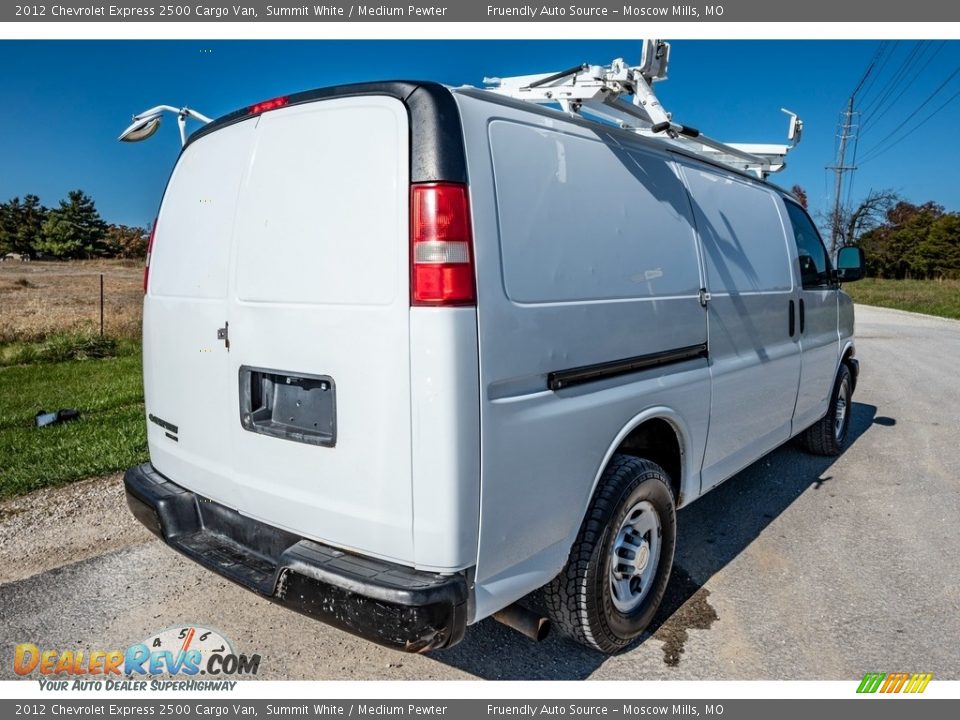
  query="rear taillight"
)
[
  {"x": 146, "y": 267},
  {"x": 441, "y": 245}
]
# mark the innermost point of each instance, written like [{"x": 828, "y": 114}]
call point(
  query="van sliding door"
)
[
  {"x": 817, "y": 321},
  {"x": 588, "y": 279},
  {"x": 754, "y": 351}
]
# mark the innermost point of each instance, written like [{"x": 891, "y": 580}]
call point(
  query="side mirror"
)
[{"x": 850, "y": 264}]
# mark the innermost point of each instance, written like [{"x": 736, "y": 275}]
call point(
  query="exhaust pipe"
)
[{"x": 533, "y": 625}]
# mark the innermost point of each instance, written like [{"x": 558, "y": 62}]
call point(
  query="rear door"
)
[
  {"x": 321, "y": 288},
  {"x": 188, "y": 387},
  {"x": 290, "y": 230}
]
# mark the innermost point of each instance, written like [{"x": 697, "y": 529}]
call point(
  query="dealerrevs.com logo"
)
[{"x": 178, "y": 652}]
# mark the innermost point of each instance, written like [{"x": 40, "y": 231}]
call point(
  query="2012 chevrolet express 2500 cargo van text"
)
[{"x": 412, "y": 353}]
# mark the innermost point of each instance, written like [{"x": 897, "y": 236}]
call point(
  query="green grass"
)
[
  {"x": 931, "y": 297},
  {"x": 63, "y": 346},
  {"x": 108, "y": 436}
]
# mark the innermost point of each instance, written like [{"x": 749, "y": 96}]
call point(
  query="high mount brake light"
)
[
  {"x": 272, "y": 104},
  {"x": 441, "y": 245}
]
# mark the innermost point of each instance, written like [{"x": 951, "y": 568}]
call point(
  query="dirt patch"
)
[
  {"x": 685, "y": 607},
  {"x": 60, "y": 526}
]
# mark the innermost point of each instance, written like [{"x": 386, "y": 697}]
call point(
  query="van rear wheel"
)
[
  {"x": 828, "y": 436},
  {"x": 619, "y": 566}
]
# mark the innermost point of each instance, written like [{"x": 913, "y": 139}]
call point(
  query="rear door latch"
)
[{"x": 224, "y": 334}]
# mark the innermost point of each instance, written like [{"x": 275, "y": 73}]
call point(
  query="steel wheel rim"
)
[
  {"x": 840, "y": 417},
  {"x": 635, "y": 556}
]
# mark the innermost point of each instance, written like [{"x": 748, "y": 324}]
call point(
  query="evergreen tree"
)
[
  {"x": 30, "y": 225},
  {"x": 21, "y": 225},
  {"x": 8, "y": 211},
  {"x": 75, "y": 229}
]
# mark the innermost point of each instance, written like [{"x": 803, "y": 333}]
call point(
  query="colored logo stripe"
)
[
  {"x": 918, "y": 683},
  {"x": 894, "y": 682},
  {"x": 871, "y": 682}
]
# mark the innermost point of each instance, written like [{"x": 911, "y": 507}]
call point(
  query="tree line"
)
[
  {"x": 902, "y": 240},
  {"x": 72, "y": 230}
]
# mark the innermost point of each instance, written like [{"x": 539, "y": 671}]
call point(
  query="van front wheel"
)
[
  {"x": 620, "y": 563},
  {"x": 828, "y": 436}
]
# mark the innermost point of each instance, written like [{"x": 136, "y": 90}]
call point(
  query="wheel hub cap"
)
[
  {"x": 840, "y": 418},
  {"x": 643, "y": 555},
  {"x": 634, "y": 557}
]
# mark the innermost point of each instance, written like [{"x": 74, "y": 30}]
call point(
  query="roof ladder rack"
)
[{"x": 623, "y": 94}]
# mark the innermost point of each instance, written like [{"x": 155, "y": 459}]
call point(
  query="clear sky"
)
[{"x": 65, "y": 102}]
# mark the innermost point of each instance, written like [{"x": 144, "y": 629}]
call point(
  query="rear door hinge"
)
[
  {"x": 704, "y": 297},
  {"x": 224, "y": 334}
]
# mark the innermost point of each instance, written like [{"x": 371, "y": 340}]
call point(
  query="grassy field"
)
[
  {"x": 52, "y": 357},
  {"x": 40, "y": 298},
  {"x": 931, "y": 297},
  {"x": 109, "y": 435}
]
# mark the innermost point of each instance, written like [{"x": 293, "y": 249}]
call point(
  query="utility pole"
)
[{"x": 848, "y": 131}]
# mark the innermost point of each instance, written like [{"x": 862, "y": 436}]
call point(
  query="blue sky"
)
[{"x": 66, "y": 102}]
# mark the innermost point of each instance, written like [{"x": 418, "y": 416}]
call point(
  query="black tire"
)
[
  {"x": 824, "y": 437},
  {"x": 579, "y": 601}
]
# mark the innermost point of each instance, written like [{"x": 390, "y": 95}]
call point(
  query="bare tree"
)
[{"x": 851, "y": 223}]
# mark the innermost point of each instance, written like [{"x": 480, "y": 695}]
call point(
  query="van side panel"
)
[
  {"x": 754, "y": 361},
  {"x": 445, "y": 432},
  {"x": 585, "y": 253}
]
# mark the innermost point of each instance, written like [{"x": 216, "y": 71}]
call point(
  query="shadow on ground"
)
[{"x": 707, "y": 541}]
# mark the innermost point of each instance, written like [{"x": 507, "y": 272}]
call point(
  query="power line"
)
[
  {"x": 895, "y": 82},
  {"x": 882, "y": 52},
  {"x": 867, "y": 72},
  {"x": 919, "y": 73},
  {"x": 881, "y": 89},
  {"x": 899, "y": 128},
  {"x": 890, "y": 84},
  {"x": 915, "y": 127}
]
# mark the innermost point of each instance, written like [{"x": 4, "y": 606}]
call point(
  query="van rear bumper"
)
[{"x": 389, "y": 604}]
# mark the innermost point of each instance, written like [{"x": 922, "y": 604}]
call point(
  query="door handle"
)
[
  {"x": 803, "y": 318},
  {"x": 793, "y": 321}
]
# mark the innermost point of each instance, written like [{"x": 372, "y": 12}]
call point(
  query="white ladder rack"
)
[{"x": 602, "y": 91}]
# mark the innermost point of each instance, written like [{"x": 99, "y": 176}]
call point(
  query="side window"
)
[{"x": 814, "y": 262}]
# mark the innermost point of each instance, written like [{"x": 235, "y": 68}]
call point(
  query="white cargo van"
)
[{"x": 412, "y": 353}]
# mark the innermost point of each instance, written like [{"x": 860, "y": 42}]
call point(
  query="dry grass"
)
[{"x": 38, "y": 299}]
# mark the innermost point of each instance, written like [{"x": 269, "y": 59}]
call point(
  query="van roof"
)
[
  {"x": 436, "y": 134},
  {"x": 436, "y": 152}
]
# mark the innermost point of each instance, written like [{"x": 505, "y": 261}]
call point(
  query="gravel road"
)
[{"x": 797, "y": 568}]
